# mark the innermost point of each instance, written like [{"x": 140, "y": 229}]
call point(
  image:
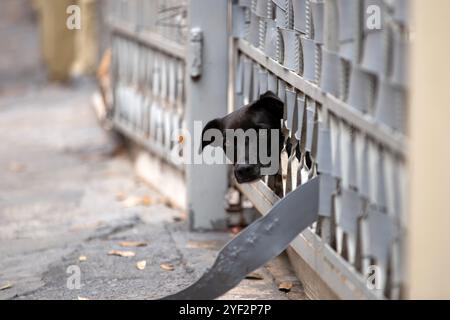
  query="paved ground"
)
[{"x": 67, "y": 191}]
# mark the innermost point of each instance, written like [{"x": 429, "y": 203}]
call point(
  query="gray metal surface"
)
[
  {"x": 397, "y": 143},
  {"x": 149, "y": 57},
  {"x": 163, "y": 83},
  {"x": 346, "y": 83},
  {"x": 344, "y": 87},
  {"x": 260, "y": 242}
]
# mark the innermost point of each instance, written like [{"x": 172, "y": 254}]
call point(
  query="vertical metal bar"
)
[
  {"x": 206, "y": 100},
  {"x": 428, "y": 238}
]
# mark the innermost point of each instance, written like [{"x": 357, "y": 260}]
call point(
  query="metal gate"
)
[
  {"x": 340, "y": 66},
  {"x": 149, "y": 50},
  {"x": 343, "y": 79}
]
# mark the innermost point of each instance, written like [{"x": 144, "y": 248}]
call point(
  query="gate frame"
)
[
  {"x": 207, "y": 98},
  {"x": 323, "y": 272}
]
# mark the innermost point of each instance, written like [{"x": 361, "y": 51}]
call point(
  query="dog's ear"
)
[
  {"x": 213, "y": 124},
  {"x": 270, "y": 102}
]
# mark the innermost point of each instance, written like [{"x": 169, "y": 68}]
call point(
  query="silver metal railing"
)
[
  {"x": 343, "y": 78},
  {"x": 344, "y": 84},
  {"x": 149, "y": 53}
]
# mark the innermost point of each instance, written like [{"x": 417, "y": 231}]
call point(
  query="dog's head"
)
[{"x": 258, "y": 117}]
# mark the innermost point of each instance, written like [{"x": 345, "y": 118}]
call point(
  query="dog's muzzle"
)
[{"x": 246, "y": 173}]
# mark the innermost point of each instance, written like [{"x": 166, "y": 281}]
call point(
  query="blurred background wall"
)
[
  {"x": 68, "y": 52},
  {"x": 20, "y": 60},
  {"x": 429, "y": 154}
]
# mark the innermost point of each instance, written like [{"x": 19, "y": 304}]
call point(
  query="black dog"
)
[{"x": 265, "y": 113}]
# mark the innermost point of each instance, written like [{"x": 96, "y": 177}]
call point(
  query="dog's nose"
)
[
  {"x": 245, "y": 170},
  {"x": 246, "y": 173}
]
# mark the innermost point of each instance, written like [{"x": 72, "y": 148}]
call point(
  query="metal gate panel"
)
[
  {"x": 149, "y": 52},
  {"x": 345, "y": 90},
  {"x": 158, "y": 71},
  {"x": 347, "y": 84}
]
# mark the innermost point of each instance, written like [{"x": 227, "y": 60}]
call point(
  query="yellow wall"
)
[
  {"x": 429, "y": 232},
  {"x": 57, "y": 41}
]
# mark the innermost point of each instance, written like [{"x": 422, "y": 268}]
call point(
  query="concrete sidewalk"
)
[{"x": 68, "y": 192}]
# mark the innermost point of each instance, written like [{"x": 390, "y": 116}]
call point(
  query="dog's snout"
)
[
  {"x": 247, "y": 173},
  {"x": 245, "y": 170}
]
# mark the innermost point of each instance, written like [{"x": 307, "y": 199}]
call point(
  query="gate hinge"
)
[{"x": 196, "y": 55}]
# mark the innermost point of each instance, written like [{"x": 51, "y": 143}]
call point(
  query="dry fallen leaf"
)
[
  {"x": 167, "y": 266},
  {"x": 121, "y": 253},
  {"x": 6, "y": 286},
  {"x": 82, "y": 298},
  {"x": 120, "y": 196},
  {"x": 133, "y": 201},
  {"x": 141, "y": 265},
  {"x": 285, "y": 286},
  {"x": 82, "y": 258},
  {"x": 146, "y": 201},
  {"x": 129, "y": 244},
  {"x": 254, "y": 276},
  {"x": 202, "y": 244},
  {"x": 16, "y": 167},
  {"x": 236, "y": 229}
]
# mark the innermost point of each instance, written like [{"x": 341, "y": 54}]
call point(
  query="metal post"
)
[{"x": 207, "y": 88}]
